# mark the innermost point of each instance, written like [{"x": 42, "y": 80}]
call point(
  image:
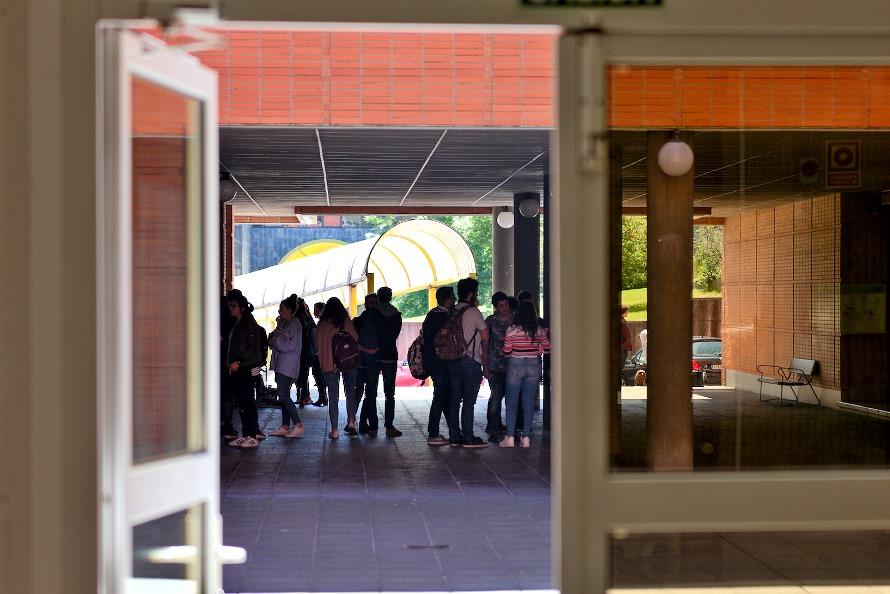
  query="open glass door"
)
[
  {"x": 704, "y": 474},
  {"x": 157, "y": 335}
]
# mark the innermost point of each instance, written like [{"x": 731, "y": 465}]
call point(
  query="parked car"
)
[
  {"x": 405, "y": 379},
  {"x": 706, "y": 366}
]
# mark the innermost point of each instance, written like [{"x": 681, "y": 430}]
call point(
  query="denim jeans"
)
[
  {"x": 523, "y": 378},
  {"x": 332, "y": 380},
  {"x": 465, "y": 379},
  {"x": 498, "y": 384},
  {"x": 439, "y": 406},
  {"x": 289, "y": 412}
]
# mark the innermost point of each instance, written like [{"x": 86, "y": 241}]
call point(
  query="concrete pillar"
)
[
  {"x": 501, "y": 254},
  {"x": 527, "y": 250},
  {"x": 669, "y": 380}
]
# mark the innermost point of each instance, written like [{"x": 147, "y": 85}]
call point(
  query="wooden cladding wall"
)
[{"x": 781, "y": 287}]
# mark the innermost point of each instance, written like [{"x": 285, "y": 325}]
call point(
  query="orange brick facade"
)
[{"x": 781, "y": 287}]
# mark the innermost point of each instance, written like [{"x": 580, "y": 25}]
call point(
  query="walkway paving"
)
[
  {"x": 359, "y": 515},
  {"x": 365, "y": 514}
]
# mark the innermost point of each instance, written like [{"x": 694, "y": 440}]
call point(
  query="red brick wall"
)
[
  {"x": 781, "y": 287},
  {"x": 400, "y": 79},
  {"x": 159, "y": 297}
]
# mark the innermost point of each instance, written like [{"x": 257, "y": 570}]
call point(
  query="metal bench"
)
[{"x": 799, "y": 373}]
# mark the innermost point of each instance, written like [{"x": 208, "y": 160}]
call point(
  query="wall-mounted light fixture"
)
[
  {"x": 505, "y": 218},
  {"x": 228, "y": 189},
  {"x": 530, "y": 207},
  {"x": 675, "y": 157}
]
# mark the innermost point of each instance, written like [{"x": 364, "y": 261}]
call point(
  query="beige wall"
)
[{"x": 781, "y": 287}]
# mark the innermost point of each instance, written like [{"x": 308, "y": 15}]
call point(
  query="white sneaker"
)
[
  {"x": 244, "y": 442},
  {"x": 281, "y": 431},
  {"x": 297, "y": 432},
  {"x": 507, "y": 442},
  {"x": 525, "y": 442}
]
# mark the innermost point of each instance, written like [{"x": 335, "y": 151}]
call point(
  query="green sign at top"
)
[{"x": 591, "y": 3}]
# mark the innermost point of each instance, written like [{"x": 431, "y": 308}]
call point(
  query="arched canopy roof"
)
[{"x": 409, "y": 257}]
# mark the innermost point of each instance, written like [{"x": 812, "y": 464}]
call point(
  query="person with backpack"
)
[
  {"x": 338, "y": 353},
  {"x": 309, "y": 360},
  {"x": 498, "y": 323},
  {"x": 438, "y": 369},
  {"x": 525, "y": 342},
  {"x": 463, "y": 342}
]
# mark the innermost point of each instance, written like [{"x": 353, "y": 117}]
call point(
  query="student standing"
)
[
  {"x": 525, "y": 342},
  {"x": 498, "y": 323},
  {"x": 388, "y": 359},
  {"x": 369, "y": 325},
  {"x": 466, "y": 371},
  {"x": 286, "y": 341},
  {"x": 438, "y": 369},
  {"x": 334, "y": 320},
  {"x": 243, "y": 358}
]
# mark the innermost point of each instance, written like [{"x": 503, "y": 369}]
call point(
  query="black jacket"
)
[
  {"x": 389, "y": 333},
  {"x": 245, "y": 344},
  {"x": 434, "y": 321}
]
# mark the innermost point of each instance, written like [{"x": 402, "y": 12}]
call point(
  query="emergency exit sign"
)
[{"x": 591, "y": 3}]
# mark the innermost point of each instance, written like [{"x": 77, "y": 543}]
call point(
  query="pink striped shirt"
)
[{"x": 519, "y": 345}]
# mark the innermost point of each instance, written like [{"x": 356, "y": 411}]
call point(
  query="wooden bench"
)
[{"x": 799, "y": 373}]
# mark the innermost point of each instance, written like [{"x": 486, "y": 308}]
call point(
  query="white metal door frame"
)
[{"x": 133, "y": 494}]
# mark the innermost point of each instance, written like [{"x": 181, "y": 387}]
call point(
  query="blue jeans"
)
[
  {"x": 466, "y": 377},
  {"x": 523, "y": 379},
  {"x": 439, "y": 405},
  {"x": 332, "y": 380},
  {"x": 283, "y": 384}
]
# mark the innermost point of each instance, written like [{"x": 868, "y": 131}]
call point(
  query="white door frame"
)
[
  {"x": 592, "y": 502},
  {"x": 130, "y": 493}
]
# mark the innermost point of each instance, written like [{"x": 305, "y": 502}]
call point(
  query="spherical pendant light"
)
[
  {"x": 505, "y": 219},
  {"x": 675, "y": 158}
]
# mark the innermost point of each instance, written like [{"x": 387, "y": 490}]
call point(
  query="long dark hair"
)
[
  {"x": 335, "y": 312},
  {"x": 527, "y": 318},
  {"x": 291, "y": 304}
]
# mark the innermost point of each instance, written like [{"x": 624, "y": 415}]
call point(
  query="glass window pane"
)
[
  {"x": 168, "y": 552},
  {"x": 766, "y": 563},
  {"x": 167, "y": 272},
  {"x": 780, "y": 255}
]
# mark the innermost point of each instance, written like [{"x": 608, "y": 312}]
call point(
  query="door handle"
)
[{"x": 231, "y": 555}]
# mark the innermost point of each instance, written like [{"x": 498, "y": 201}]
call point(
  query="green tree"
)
[
  {"x": 633, "y": 252},
  {"x": 707, "y": 257}
]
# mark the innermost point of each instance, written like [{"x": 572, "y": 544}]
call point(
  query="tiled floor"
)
[
  {"x": 397, "y": 515},
  {"x": 386, "y": 514}
]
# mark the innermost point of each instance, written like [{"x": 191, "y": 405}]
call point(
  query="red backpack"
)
[{"x": 346, "y": 353}]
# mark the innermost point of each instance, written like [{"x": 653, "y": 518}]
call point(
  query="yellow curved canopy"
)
[{"x": 411, "y": 256}]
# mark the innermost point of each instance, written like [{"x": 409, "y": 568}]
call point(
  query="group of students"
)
[
  {"x": 505, "y": 348},
  {"x": 459, "y": 348}
]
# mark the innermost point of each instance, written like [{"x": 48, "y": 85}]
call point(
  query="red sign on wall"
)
[{"x": 843, "y": 166}]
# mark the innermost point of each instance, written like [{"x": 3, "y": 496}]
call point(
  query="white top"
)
[
  {"x": 473, "y": 324},
  {"x": 644, "y": 338}
]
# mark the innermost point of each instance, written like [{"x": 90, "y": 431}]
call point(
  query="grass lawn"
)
[{"x": 636, "y": 299}]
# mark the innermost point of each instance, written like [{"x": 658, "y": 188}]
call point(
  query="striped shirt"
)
[{"x": 519, "y": 345}]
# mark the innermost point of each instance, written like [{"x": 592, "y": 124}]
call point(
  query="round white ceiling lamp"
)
[
  {"x": 505, "y": 219},
  {"x": 675, "y": 157},
  {"x": 228, "y": 189},
  {"x": 530, "y": 207}
]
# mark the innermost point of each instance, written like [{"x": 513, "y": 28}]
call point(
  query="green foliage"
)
[
  {"x": 707, "y": 257},
  {"x": 633, "y": 252},
  {"x": 476, "y": 231}
]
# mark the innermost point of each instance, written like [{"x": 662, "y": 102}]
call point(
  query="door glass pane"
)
[
  {"x": 755, "y": 280},
  {"x": 167, "y": 554},
  {"x": 167, "y": 272},
  {"x": 761, "y": 562}
]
